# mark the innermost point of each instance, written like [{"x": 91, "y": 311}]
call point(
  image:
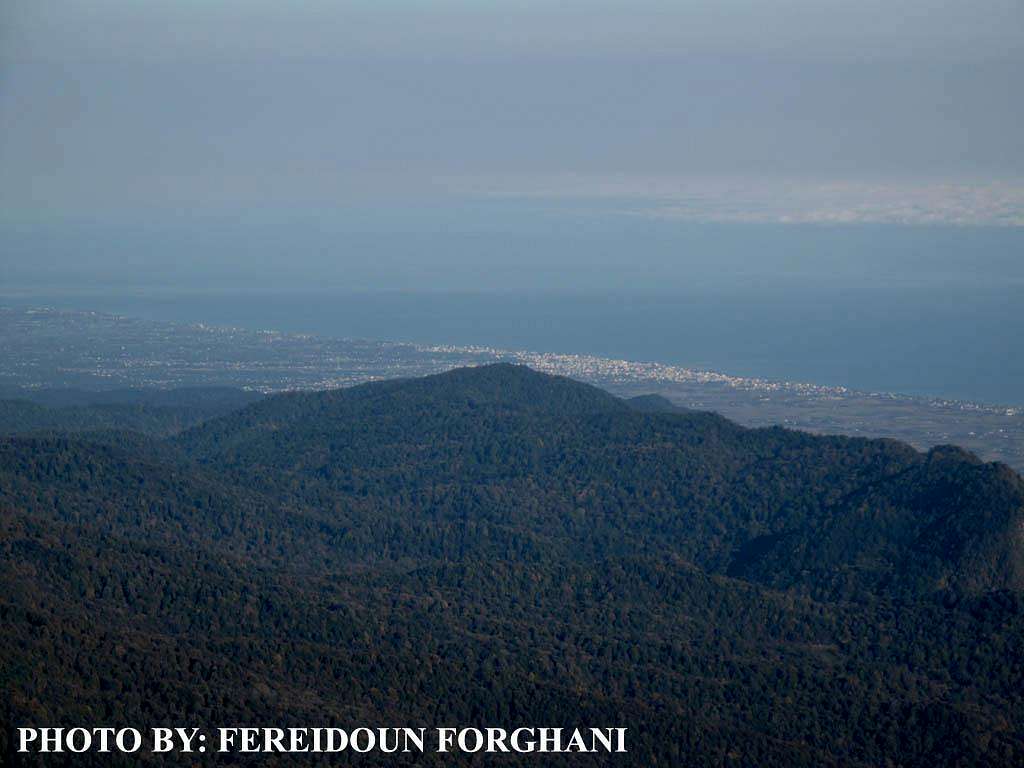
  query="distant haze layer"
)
[{"x": 121, "y": 109}]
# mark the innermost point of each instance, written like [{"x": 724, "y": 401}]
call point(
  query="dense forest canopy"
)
[
  {"x": 154, "y": 412},
  {"x": 497, "y": 546}
]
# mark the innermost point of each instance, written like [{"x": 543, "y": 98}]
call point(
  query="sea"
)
[{"x": 935, "y": 311}]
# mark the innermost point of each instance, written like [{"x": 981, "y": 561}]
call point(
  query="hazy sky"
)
[{"x": 903, "y": 109}]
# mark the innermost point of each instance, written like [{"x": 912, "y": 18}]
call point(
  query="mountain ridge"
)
[
  {"x": 497, "y": 546},
  {"x": 499, "y": 423}
]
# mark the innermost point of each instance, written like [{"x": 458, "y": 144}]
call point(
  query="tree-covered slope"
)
[
  {"x": 948, "y": 522},
  {"x": 481, "y": 457},
  {"x": 498, "y": 547},
  {"x": 151, "y": 412}
]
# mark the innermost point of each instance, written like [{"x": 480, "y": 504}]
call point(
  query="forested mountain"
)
[
  {"x": 496, "y": 546},
  {"x": 486, "y": 455}
]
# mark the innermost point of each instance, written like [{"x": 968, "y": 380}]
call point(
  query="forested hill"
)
[
  {"x": 507, "y": 447},
  {"x": 494, "y": 546}
]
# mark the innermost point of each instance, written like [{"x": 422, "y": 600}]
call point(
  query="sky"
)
[{"x": 732, "y": 110}]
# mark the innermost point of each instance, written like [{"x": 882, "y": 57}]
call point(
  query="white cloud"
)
[{"x": 992, "y": 203}]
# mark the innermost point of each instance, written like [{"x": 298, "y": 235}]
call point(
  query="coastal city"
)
[{"x": 47, "y": 348}]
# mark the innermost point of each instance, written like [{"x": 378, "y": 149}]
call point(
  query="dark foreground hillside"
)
[
  {"x": 120, "y": 417},
  {"x": 494, "y": 546}
]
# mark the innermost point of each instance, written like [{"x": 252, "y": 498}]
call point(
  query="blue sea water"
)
[{"x": 936, "y": 311}]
